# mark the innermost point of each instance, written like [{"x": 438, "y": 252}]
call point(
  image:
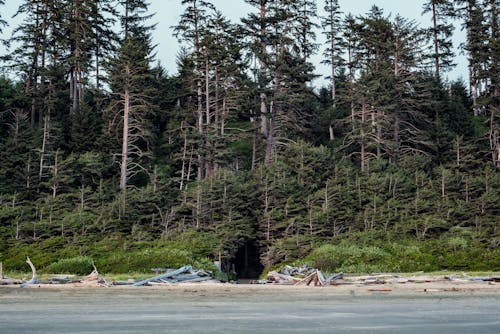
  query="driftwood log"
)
[
  {"x": 34, "y": 278},
  {"x": 164, "y": 276}
]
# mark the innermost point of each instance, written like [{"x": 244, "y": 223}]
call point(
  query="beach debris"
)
[
  {"x": 302, "y": 275},
  {"x": 5, "y": 280},
  {"x": 34, "y": 278},
  {"x": 184, "y": 274}
]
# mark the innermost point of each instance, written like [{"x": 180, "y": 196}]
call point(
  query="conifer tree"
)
[
  {"x": 190, "y": 30},
  {"x": 331, "y": 24},
  {"x": 441, "y": 31},
  {"x": 129, "y": 75}
]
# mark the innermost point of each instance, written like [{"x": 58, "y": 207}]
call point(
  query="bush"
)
[
  {"x": 351, "y": 258},
  {"x": 80, "y": 265}
]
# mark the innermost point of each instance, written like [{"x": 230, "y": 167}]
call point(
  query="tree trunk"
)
[
  {"x": 333, "y": 68},
  {"x": 362, "y": 135},
  {"x": 125, "y": 139},
  {"x": 263, "y": 69},
  {"x": 436, "y": 46}
]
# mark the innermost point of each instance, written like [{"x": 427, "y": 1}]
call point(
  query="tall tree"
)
[
  {"x": 190, "y": 30},
  {"x": 129, "y": 77},
  {"x": 441, "y": 32},
  {"x": 472, "y": 14},
  {"x": 103, "y": 19},
  {"x": 332, "y": 28}
]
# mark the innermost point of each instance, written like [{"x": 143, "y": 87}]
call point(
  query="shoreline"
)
[{"x": 395, "y": 289}]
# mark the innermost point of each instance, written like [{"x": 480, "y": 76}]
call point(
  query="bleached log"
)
[
  {"x": 10, "y": 281},
  {"x": 164, "y": 276},
  {"x": 276, "y": 277},
  {"x": 34, "y": 278},
  {"x": 93, "y": 276},
  {"x": 307, "y": 280},
  {"x": 335, "y": 277}
]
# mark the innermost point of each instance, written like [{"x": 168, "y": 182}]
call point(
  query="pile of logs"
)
[
  {"x": 93, "y": 279},
  {"x": 184, "y": 274},
  {"x": 301, "y": 276}
]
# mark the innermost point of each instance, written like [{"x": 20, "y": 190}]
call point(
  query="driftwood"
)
[
  {"x": 164, "y": 276},
  {"x": 7, "y": 281},
  {"x": 184, "y": 274},
  {"x": 276, "y": 277},
  {"x": 300, "y": 276},
  {"x": 317, "y": 278},
  {"x": 93, "y": 276},
  {"x": 34, "y": 278}
]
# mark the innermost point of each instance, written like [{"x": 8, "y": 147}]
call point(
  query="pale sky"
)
[{"x": 169, "y": 11}]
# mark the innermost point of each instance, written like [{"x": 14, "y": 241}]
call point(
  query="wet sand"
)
[{"x": 443, "y": 307}]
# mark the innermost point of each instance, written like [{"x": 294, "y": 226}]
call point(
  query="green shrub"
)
[
  {"x": 351, "y": 258},
  {"x": 80, "y": 265}
]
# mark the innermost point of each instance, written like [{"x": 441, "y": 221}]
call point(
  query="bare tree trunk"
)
[
  {"x": 207, "y": 91},
  {"x": 184, "y": 153},
  {"x": 263, "y": 69},
  {"x": 55, "y": 175},
  {"x": 44, "y": 145},
  {"x": 270, "y": 137},
  {"x": 266, "y": 211},
  {"x": 254, "y": 145},
  {"x": 216, "y": 102},
  {"x": 436, "y": 46},
  {"x": 31, "y": 87},
  {"x": 125, "y": 138},
  {"x": 362, "y": 135},
  {"x": 208, "y": 157},
  {"x": 333, "y": 68},
  {"x": 494, "y": 53}
]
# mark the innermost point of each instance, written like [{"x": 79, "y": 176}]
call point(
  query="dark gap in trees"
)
[{"x": 247, "y": 261}]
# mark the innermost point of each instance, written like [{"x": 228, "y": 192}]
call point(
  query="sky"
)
[{"x": 167, "y": 13}]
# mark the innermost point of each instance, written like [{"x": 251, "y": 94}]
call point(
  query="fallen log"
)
[
  {"x": 321, "y": 278},
  {"x": 34, "y": 278},
  {"x": 308, "y": 279},
  {"x": 164, "y": 276},
  {"x": 335, "y": 277},
  {"x": 10, "y": 281},
  {"x": 276, "y": 277},
  {"x": 122, "y": 283}
]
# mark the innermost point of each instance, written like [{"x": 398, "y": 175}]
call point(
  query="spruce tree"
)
[
  {"x": 331, "y": 24},
  {"x": 441, "y": 32},
  {"x": 129, "y": 74}
]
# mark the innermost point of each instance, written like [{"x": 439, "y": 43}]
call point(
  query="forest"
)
[{"x": 238, "y": 157}]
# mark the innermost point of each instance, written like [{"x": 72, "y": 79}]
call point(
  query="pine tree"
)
[
  {"x": 129, "y": 74},
  {"x": 103, "y": 18},
  {"x": 441, "y": 32},
  {"x": 472, "y": 14},
  {"x": 30, "y": 36},
  {"x": 190, "y": 30},
  {"x": 331, "y": 24}
]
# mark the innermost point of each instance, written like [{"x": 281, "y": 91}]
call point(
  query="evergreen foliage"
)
[{"x": 237, "y": 157}]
